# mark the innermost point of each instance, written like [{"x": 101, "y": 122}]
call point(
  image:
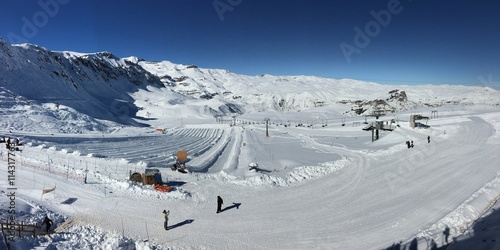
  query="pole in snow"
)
[
  {"x": 86, "y": 173},
  {"x": 43, "y": 188},
  {"x": 147, "y": 233},
  {"x": 267, "y": 127}
]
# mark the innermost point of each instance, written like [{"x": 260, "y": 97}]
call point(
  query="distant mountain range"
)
[{"x": 102, "y": 86}]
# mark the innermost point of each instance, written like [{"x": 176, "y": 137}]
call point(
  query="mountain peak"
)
[{"x": 105, "y": 87}]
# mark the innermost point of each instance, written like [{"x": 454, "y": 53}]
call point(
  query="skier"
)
[
  {"x": 48, "y": 223},
  {"x": 428, "y": 139},
  {"x": 408, "y": 144},
  {"x": 219, "y": 204},
  {"x": 165, "y": 224},
  {"x": 412, "y": 143}
]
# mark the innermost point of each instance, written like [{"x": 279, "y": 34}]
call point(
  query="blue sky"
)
[{"x": 386, "y": 41}]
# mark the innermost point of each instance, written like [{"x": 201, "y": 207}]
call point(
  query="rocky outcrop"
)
[{"x": 396, "y": 101}]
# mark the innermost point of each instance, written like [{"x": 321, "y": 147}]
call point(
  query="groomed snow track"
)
[{"x": 157, "y": 150}]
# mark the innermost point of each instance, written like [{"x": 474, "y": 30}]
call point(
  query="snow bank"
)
[
  {"x": 462, "y": 217},
  {"x": 296, "y": 176}
]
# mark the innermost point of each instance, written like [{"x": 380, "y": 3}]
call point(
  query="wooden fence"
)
[{"x": 19, "y": 230}]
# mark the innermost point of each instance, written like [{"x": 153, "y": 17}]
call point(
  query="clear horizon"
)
[{"x": 388, "y": 42}]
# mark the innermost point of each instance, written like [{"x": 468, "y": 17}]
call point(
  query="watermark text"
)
[
  {"x": 223, "y": 6},
  {"x": 31, "y": 26},
  {"x": 363, "y": 37}
]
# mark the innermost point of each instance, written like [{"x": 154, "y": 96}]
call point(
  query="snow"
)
[
  {"x": 309, "y": 193},
  {"x": 321, "y": 183}
]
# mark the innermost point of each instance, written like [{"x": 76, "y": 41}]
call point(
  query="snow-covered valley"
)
[{"x": 321, "y": 182}]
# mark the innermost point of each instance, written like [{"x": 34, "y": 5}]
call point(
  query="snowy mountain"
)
[
  {"x": 104, "y": 88},
  {"x": 91, "y": 124}
]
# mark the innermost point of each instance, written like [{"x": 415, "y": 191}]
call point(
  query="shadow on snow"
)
[
  {"x": 180, "y": 224},
  {"x": 235, "y": 205},
  {"x": 483, "y": 235}
]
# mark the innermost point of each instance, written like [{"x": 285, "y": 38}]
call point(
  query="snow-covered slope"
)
[
  {"x": 88, "y": 121},
  {"x": 303, "y": 92},
  {"x": 121, "y": 90},
  {"x": 321, "y": 188},
  {"x": 94, "y": 84}
]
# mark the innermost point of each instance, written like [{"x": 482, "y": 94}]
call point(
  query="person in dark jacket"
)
[
  {"x": 219, "y": 204},
  {"x": 428, "y": 139},
  {"x": 48, "y": 223},
  {"x": 166, "y": 213}
]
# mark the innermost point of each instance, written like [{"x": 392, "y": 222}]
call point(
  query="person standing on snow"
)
[
  {"x": 166, "y": 213},
  {"x": 428, "y": 139},
  {"x": 219, "y": 204},
  {"x": 48, "y": 223}
]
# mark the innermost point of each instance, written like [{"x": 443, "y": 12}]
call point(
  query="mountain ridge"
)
[{"x": 104, "y": 87}]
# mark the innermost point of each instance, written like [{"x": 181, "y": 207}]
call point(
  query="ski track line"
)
[
  {"x": 155, "y": 155},
  {"x": 233, "y": 154}
]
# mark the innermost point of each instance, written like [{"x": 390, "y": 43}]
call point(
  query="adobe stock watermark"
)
[
  {"x": 122, "y": 108},
  {"x": 11, "y": 194},
  {"x": 362, "y": 38},
  {"x": 223, "y": 6},
  {"x": 403, "y": 171},
  {"x": 488, "y": 82},
  {"x": 31, "y": 26},
  {"x": 489, "y": 97}
]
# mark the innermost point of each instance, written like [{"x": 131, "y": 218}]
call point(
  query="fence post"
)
[{"x": 147, "y": 233}]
